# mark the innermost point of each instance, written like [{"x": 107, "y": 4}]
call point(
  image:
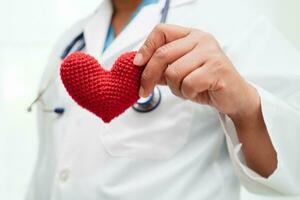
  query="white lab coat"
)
[{"x": 181, "y": 150}]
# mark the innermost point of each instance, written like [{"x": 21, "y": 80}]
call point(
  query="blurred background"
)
[{"x": 29, "y": 31}]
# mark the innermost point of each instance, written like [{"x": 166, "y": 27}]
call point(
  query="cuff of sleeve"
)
[{"x": 279, "y": 182}]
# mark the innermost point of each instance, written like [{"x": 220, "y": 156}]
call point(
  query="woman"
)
[{"x": 228, "y": 59}]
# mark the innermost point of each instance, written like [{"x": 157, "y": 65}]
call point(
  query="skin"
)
[
  {"x": 195, "y": 68},
  {"x": 123, "y": 9},
  {"x": 193, "y": 65}
]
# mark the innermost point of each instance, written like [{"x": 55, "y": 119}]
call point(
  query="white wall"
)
[
  {"x": 29, "y": 30},
  {"x": 284, "y": 14}
]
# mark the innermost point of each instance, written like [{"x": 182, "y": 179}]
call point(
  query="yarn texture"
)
[{"x": 105, "y": 93}]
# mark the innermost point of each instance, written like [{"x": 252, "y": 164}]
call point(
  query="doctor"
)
[{"x": 218, "y": 53}]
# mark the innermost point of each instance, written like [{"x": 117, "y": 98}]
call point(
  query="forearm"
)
[
  {"x": 194, "y": 66},
  {"x": 257, "y": 147}
]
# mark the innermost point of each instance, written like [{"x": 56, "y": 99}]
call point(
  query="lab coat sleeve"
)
[{"x": 272, "y": 65}]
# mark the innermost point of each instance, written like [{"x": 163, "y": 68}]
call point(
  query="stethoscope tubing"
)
[{"x": 80, "y": 47}]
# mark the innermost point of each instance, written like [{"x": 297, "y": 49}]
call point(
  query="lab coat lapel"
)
[
  {"x": 176, "y": 3},
  {"x": 95, "y": 30},
  {"x": 140, "y": 27},
  {"x": 135, "y": 31}
]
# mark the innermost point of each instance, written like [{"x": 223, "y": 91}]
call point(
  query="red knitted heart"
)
[{"x": 107, "y": 94}]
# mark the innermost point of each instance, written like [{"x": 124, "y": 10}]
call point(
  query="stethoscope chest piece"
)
[{"x": 149, "y": 103}]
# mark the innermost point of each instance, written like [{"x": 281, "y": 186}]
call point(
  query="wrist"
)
[{"x": 250, "y": 110}]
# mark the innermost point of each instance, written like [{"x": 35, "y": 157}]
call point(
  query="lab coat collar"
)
[
  {"x": 176, "y": 3},
  {"x": 95, "y": 30}
]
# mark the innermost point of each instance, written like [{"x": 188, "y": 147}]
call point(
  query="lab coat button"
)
[{"x": 64, "y": 175}]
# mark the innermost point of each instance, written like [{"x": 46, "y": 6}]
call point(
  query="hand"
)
[{"x": 194, "y": 66}]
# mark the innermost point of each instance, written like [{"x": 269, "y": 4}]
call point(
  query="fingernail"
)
[
  {"x": 138, "y": 59},
  {"x": 141, "y": 92}
]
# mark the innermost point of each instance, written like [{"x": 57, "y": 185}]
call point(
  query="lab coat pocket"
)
[{"x": 158, "y": 134}]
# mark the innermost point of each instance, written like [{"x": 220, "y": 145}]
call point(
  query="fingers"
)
[
  {"x": 179, "y": 69},
  {"x": 195, "y": 82},
  {"x": 158, "y": 63},
  {"x": 178, "y": 57},
  {"x": 199, "y": 81},
  {"x": 160, "y": 35}
]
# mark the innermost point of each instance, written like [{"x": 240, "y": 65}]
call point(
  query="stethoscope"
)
[{"x": 143, "y": 105}]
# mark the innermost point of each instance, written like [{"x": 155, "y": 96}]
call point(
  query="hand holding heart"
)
[
  {"x": 189, "y": 61},
  {"x": 194, "y": 67}
]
